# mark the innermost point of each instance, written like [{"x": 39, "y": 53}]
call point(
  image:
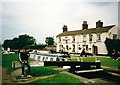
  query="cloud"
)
[{"x": 46, "y": 18}]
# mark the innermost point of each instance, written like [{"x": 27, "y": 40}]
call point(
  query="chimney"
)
[
  {"x": 65, "y": 28},
  {"x": 84, "y": 25},
  {"x": 99, "y": 24}
]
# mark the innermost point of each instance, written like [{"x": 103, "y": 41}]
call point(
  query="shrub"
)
[{"x": 112, "y": 44}]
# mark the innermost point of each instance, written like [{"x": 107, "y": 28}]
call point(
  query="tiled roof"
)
[{"x": 87, "y": 31}]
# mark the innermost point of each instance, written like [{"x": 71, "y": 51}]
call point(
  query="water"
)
[{"x": 101, "y": 77}]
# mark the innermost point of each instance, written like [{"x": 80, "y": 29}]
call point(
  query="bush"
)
[
  {"x": 112, "y": 44},
  {"x": 42, "y": 71}
]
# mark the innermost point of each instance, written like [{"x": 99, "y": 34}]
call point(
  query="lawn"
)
[
  {"x": 104, "y": 61},
  {"x": 7, "y": 60},
  {"x": 42, "y": 71},
  {"x": 59, "y": 78}
]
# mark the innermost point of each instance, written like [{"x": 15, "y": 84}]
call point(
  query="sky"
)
[{"x": 45, "y": 18}]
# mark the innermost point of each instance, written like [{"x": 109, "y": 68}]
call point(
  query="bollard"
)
[{"x": 13, "y": 64}]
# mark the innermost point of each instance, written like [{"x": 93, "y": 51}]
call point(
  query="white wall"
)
[
  {"x": 114, "y": 30},
  {"x": 79, "y": 41}
]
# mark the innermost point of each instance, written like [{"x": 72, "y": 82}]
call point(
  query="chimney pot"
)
[
  {"x": 84, "y": 25},
  {"x": 99, "y": 24},
  {"x": 65, "y": 28},
  {"x": 84, "y": 22}
]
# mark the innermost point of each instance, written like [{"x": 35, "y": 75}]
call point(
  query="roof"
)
[{"x": 87, "y": 31}]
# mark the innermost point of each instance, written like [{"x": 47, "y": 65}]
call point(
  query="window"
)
[
  {"x": 84, "y": 38},
  {"x": 98, "y": 37},
  {"x": 90, "y": 37},
  {"x": 114, "y": 36},
  {"x": 46, "y": 59},
  {"x": 79, "y": 48},
  {"x": 38, "y": 57},
  {"x": 83, "y": 46},
  {"x": 87, "y": 47},
  {"x": 51, "y": 59},
  {"x": 73, "y": 38},
  {"x": 43, "y": 58},
  {"x": 60, "y": 46},
  {"x": 66, "y": 40},
  {"x": 67, "y": 47},
  {"x": 59, "y": 39},
  {"x": 73, "y": 48}
]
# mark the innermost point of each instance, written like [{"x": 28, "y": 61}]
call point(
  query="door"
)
[{"x": 94, "y": 49}]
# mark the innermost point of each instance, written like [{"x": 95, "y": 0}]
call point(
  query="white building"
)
[{"x": 92, "y": 39}]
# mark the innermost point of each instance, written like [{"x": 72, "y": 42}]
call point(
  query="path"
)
[
  {"x": 26, "y": 80},
  {"x": 6, "y": 78}
]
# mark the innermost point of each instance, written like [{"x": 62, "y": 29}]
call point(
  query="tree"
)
[
  {"x": 20, "y": 42},
  {"x": 7, "y": 43},
  {"x": 25, "y": 40},
  {"x": 15, "y": 43},
  {"x": 49, "y": 41},
  {"x": 112, "y": 44}
]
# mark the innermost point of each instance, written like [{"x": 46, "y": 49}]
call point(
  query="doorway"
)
[{"x": 95, "y": 49}]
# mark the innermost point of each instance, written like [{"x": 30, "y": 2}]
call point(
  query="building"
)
[{"x": 91, "y": 39}]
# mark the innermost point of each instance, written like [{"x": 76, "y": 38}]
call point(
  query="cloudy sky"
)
[{"x": 45, "y": 18}]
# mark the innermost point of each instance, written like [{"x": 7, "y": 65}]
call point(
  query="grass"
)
[
  {"x": 7, "y": 60},
  {"x": 59, "y": 78},
  {"x": 109, "y": 62},
  {"x": 104, "y": 61},
  {"x": 42, "y": 71}
]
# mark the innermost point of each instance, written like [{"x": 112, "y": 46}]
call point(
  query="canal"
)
[{"x": 101, "y": 77}]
